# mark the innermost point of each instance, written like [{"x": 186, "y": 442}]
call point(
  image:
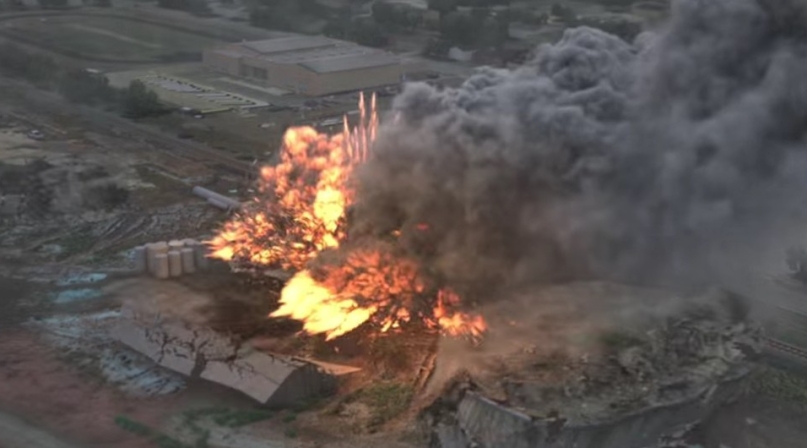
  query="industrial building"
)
[{"x": 308, "y": 65}]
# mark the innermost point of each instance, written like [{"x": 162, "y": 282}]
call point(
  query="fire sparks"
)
[{"x": 301, "y": 211}]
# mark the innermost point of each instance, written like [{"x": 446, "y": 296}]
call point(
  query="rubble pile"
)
[
  {"x": 639, "y": 383},
  {"x": 671, "y": 363}
]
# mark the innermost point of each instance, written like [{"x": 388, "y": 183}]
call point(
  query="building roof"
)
[
  {"x": 416, "y": 4},
  {"x": 349, "y": 62},
  {"x": 316, "y": 53},
  {"x": 229, "y": 52},
  {"x": 286, "y": 44}
]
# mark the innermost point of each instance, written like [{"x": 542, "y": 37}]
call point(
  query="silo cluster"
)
[{"x": 166, "y": 259}]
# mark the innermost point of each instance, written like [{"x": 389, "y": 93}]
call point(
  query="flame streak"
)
[{"x": 301, "y": 211}]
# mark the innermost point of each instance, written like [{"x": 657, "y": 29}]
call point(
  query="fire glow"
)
[{"x": 301, "y": 211}]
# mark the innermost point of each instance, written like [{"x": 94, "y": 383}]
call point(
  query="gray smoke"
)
[{"x": 647, "y": 162}]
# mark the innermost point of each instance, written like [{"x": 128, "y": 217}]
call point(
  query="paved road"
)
[{"x": 17, "y": 433}]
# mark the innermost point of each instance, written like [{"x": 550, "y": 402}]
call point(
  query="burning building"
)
[
  {"x": 657, "y": 162},
  {"x": 299, "y": 222}
]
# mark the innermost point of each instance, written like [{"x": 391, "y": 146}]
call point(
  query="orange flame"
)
[{"x": 301, "y": 212}]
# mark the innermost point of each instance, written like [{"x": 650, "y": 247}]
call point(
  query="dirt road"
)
[{"x": 16, "y": 433}]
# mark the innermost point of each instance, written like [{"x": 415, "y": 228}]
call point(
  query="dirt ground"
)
[
  {"x": 770, "y": 415},
  {"x": 39, "y": 387}
]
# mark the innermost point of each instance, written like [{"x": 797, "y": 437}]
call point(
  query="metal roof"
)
[
  {"x": 350, "y": 62},
  {"x": 284, "y": 44},
  {"x": 229, "y": 53}
]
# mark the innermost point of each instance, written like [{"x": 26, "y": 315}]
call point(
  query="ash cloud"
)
[{"x": 648, "y": 162}]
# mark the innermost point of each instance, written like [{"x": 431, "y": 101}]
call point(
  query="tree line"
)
[{"x": 79, "y": 85}]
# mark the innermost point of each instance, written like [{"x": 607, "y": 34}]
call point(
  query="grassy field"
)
[{"x": 110, "y": 38}]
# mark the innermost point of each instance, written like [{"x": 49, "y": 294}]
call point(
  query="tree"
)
[
  {"x": 483, "y": 3},
  {"x": 36, "y": 68},
  {"x": 52, "y": 4},
  {"x": 270, "y": 17},
  {"x": 195, "y": 6},
  {"x": 436, "y": 48},
  {"x": 411, "y": 19},
  {"x": 444, "y": 6},
  {"x": 616, "y": 3},
  {"x": 563, "y": 12},
  {"x": 139, "y": 102},
  {"x": 459, "y": 29},
  {"x": 368, "y": 34},
  {"x": 397, "y": 16},
  {"x": 495, "y": 31},
  {"x": 81, "y": 86},
  {"x": 384, "y": 13},
  {"x": 337, "y": 28}
]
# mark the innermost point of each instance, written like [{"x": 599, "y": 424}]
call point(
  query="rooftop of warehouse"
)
[{"x": 316, "y": 53}]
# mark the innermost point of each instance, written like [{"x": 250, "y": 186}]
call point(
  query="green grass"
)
[
  {"x": 779, "y": 385},
  {"x": 158, "y": 438},
  {"x": 235, "y": 419},
  {"x": 172, "y": 39},
  {"x": 387, "y": 352},
  {"x": 386, "y": 400},
  {"x": 78, "y": 241},
  {"x": 229, "y": 418}
]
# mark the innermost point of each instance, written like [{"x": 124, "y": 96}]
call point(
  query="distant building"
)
[
  {"x": 309, "y": 65},
  {"x": 431, "y": 19}
]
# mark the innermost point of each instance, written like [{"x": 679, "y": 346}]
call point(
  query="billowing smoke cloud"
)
[{"x": 645, "y": 162}]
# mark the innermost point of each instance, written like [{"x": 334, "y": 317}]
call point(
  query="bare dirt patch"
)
[{"x": 51, "y": 393}]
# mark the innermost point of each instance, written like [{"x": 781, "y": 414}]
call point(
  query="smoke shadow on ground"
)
[{"x": 240, "y": 304}]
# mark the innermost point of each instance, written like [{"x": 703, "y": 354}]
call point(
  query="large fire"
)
[{"x": 301, "y": 211}]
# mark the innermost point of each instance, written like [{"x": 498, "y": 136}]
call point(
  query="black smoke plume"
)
[{"x": 647, "y": 162}]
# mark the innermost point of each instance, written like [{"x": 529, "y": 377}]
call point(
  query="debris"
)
[{"x": 672, "y": 370}]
